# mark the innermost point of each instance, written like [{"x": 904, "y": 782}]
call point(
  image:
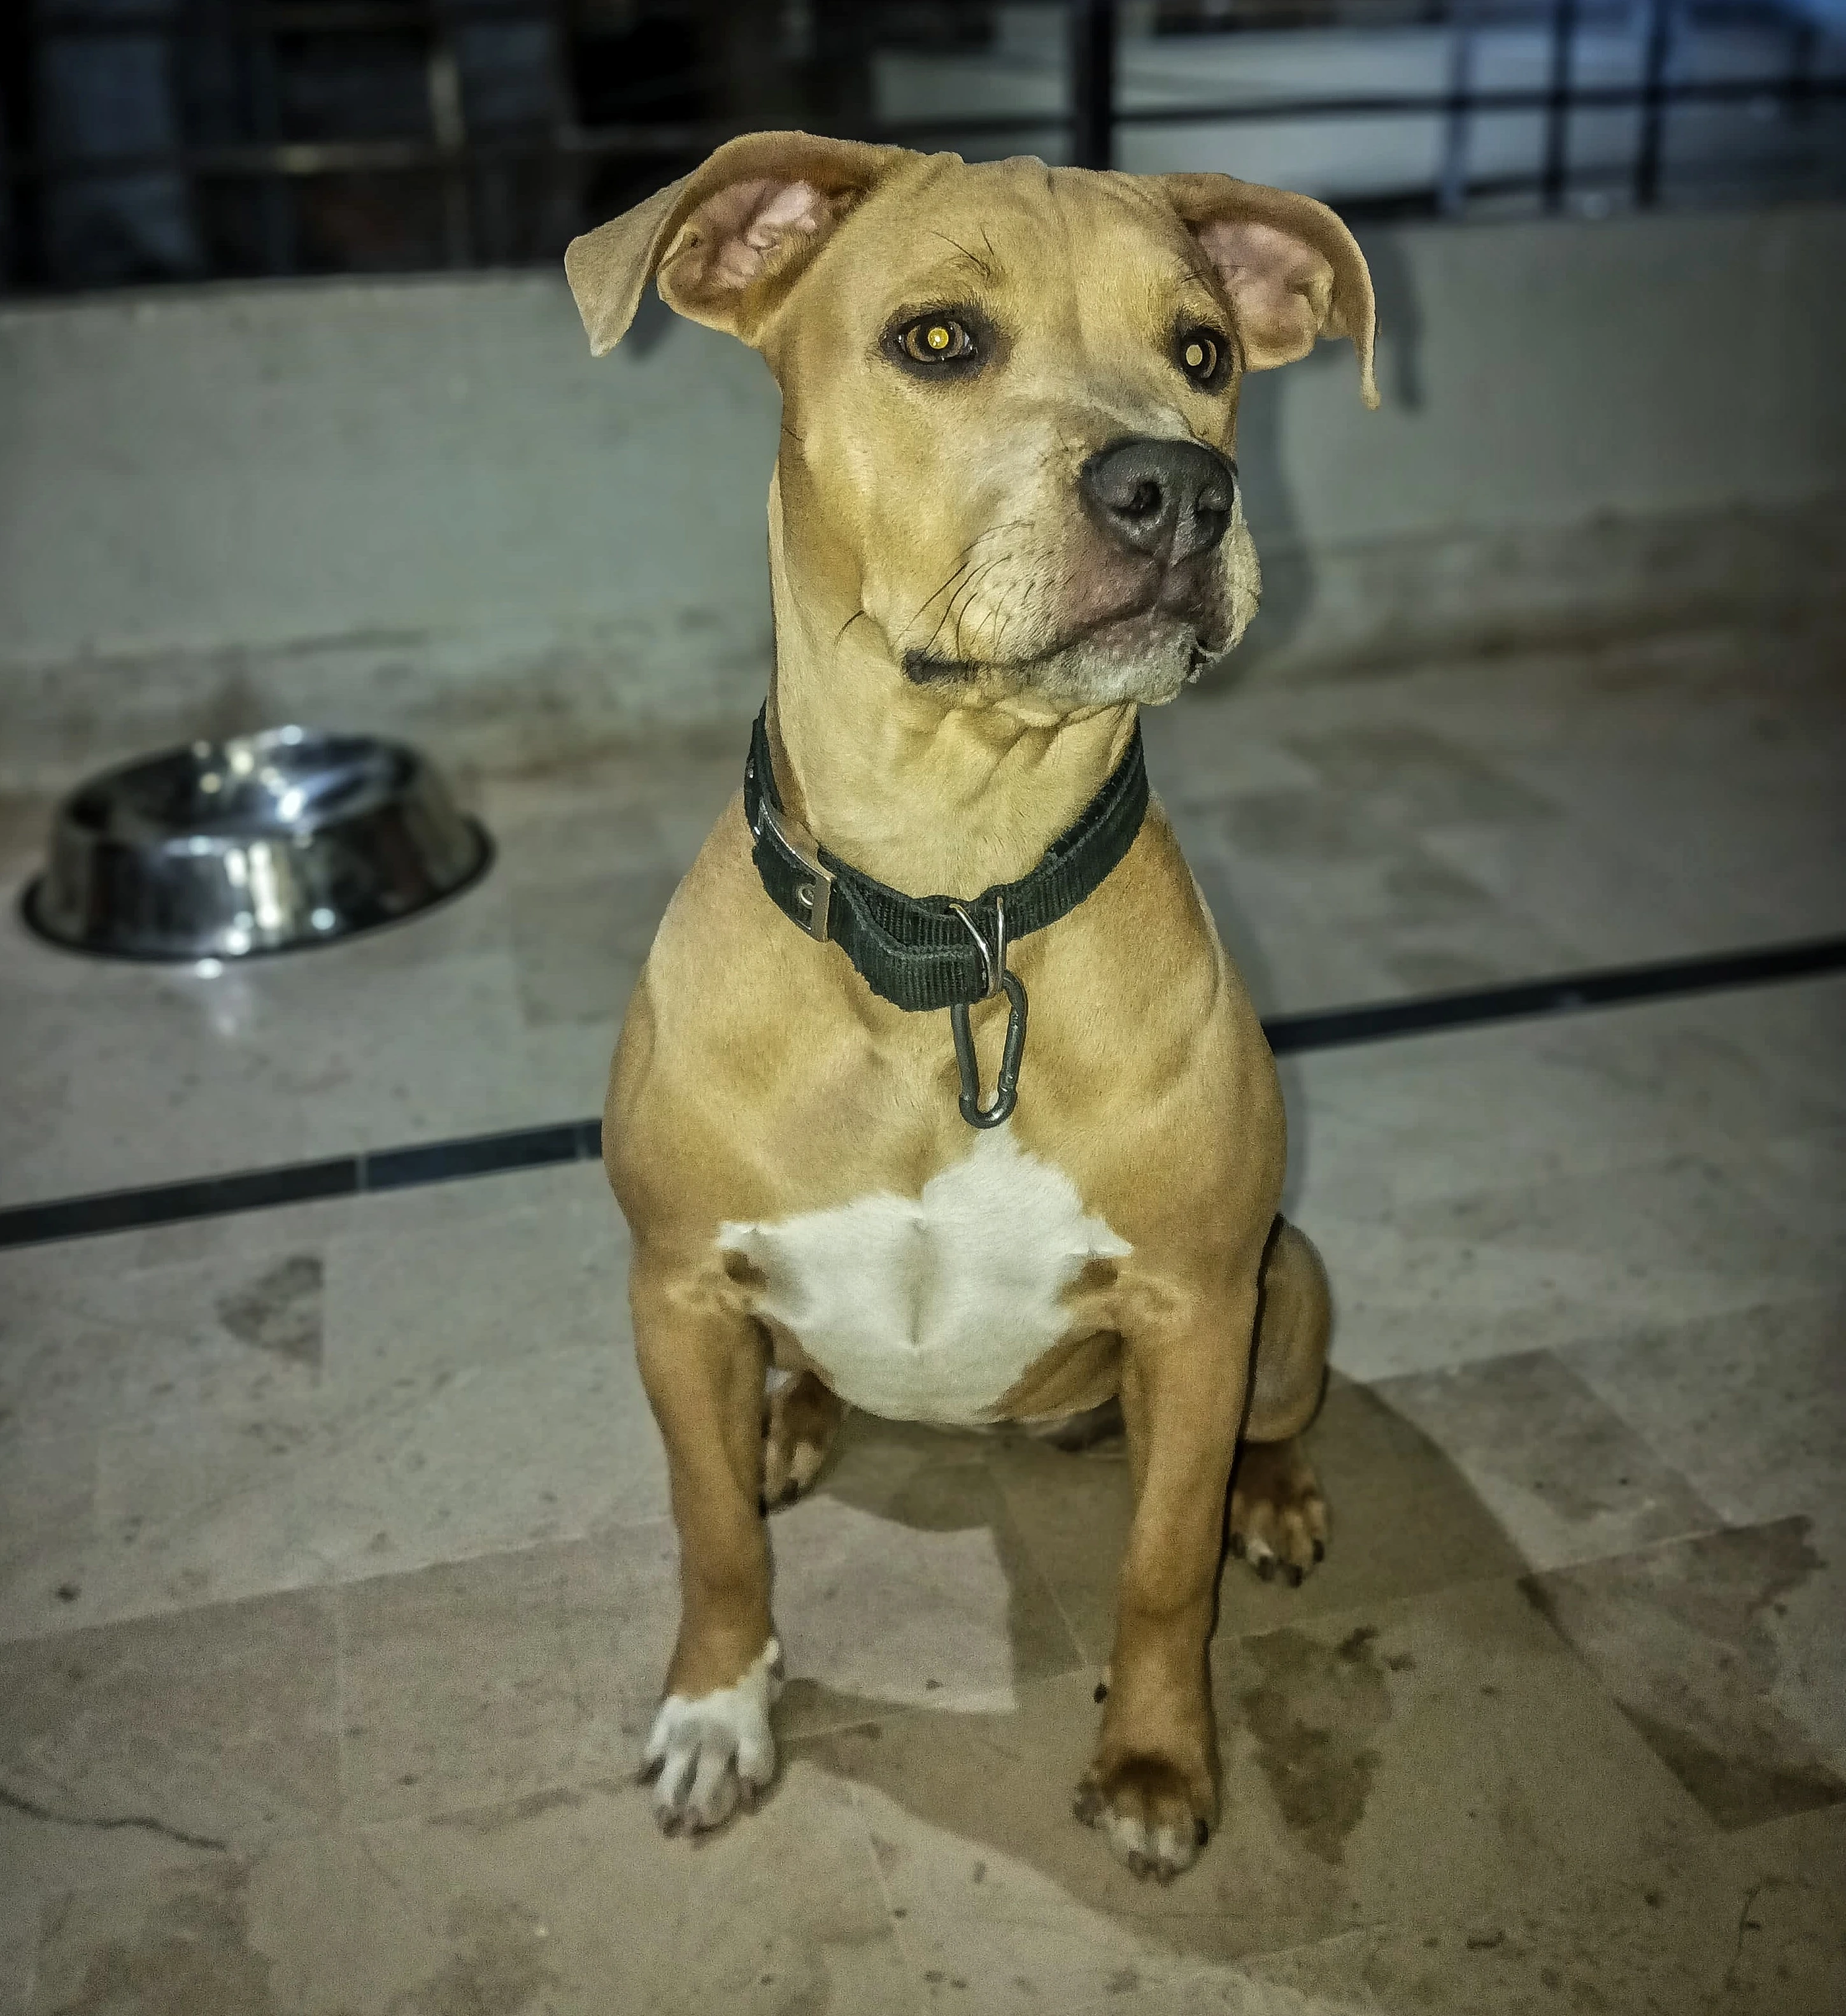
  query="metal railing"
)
[{"x": 250, "y": 183}]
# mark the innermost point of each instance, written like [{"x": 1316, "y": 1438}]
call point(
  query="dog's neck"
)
[{"x": 914, "y": 784}]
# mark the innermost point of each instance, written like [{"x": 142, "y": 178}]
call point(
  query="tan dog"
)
[{"x": 1003, "y": 519}]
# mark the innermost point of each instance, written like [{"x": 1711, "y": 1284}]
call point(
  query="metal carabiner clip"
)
[{"x": 998, "y": 980}]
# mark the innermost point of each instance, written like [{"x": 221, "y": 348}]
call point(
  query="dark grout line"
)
[
  {"x": 1607, "y": 987},
  {"x": 303, "y": 1183},
  {"x": 581, "y": 1140}
]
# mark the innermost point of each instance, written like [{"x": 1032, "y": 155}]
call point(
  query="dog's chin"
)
[{"x": 1146, "y": 657}]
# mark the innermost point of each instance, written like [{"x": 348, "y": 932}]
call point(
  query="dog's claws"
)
[
  {"x": 1201, "y": 1832},
  {"x": 1295, "y": 1576},
  {"x": 1320, "y": 1550},
  {"x": 1266, "y": 1568}
]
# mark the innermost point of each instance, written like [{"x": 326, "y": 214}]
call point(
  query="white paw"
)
[
  {"x": 710, "y": 1755},
  {"x": 1159, "y": 1852}
]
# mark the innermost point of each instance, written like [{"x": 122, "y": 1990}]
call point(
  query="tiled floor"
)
[{"x": 335, "y": 1579}]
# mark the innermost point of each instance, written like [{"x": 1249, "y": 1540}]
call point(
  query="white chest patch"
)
[{"x": 929, "y": 1308}]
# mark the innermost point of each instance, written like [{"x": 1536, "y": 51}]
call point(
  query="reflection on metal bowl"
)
[{"x": 259, "y": 843}]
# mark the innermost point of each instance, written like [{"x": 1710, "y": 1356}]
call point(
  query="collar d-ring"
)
[{"x": 993, "y": 958}]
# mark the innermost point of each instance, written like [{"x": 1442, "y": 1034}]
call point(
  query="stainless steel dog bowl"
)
[{"x": 260, "y": 844}]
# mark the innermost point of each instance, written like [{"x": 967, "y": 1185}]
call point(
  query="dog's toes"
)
[
  {"x": 798, "y": 1428},
  {"x": 1150, "y": 1814},
  {"x": 711, "y": 1755},
  {"x": 1278, "y": 1517}
]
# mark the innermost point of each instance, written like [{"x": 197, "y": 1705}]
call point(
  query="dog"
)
[{"x": 1003, "y": 518}]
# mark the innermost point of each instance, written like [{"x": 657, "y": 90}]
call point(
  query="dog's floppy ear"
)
[
  {"x": 1292, "y": 270},
  {"x": 727, "y": 239}
]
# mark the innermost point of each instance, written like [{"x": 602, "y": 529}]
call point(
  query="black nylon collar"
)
[{"x": 918, "y": 952}]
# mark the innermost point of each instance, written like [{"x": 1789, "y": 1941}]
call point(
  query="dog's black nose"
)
[{"x": 1170, "y": 498}]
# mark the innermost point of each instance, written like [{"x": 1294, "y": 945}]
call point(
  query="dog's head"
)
[{"x": 1010, "y": 391}]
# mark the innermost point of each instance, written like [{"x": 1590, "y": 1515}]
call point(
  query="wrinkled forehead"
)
[{"x": 1035, "y": 246}]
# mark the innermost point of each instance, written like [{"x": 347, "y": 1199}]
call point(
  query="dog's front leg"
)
[
  {"x": 710, "y": 1749},
  {"x": 1152, "y": 1788}
]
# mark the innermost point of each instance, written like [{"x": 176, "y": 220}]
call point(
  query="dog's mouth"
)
[{"x": 1152, "y": 626}]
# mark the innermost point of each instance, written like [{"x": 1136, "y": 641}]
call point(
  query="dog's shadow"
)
[{"x": 1303, "y": 1695}]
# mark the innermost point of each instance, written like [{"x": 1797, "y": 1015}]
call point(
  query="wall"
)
[{"x": 419, "y": 505}]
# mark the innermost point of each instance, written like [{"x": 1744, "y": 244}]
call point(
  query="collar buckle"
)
[{"x": 815, "y": 895}]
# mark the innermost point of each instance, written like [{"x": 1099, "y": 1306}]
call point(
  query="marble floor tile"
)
[
  {"x": 84, "y": 1345},
  {"x": 129, "y": 1747},
  {"x": 1326, "y": 1979},
  {"x": 1760, "y": 1914},
  {"x": 138, "y": 1074},
  {"x": 19, "y": 1952},
  {"x": 902, "y": 1582},
  {"x": 1545, "y": 1261},
  {"x": 1469, "y": 1109},
  {"x": 1802, "y": 1178},
  {"x": 569, "y": 1061},
  {"x": 1285, "y": 969},
  {"x": 569, "y": 1903},
  {"x": 1768, "y": 869},
  {"x": 1431, "y": 1765},
  {"x": 479, "y": 1683},
  {"x": 1599, "y": 907},
  {"x": 1702, "y": 1643},
  {"x": 1750, "y": 1406},
  {"x": 237, "y": 1502},
  {"x": 444, "y": 1463},
  {"x": 1399, "y": 921},
  {"x": 656, "y": 798},
  {"x": 1340, "y": 859},
  {"x": 102, "y": 1084},
  {"x": 580, "y": 946},
  {"x": 1403, "y": 1519},
  {"x": 451, "y": 1373},
  {"x": 548, "y": 1272},
  {"x": 1215, "y": 744},
  {"x": 1792, "y": 1032},
  {"x": 1414, "y": 776},
  {"x": 1567, "y": 1479},
  {"x": 47, "y": 1528},
  {"x": 1788, "y": 1953}
]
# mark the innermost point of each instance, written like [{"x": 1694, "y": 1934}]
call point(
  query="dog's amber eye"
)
[
  {"x": 1199, "y": 351},
  {"x": 936, "y": 339}
]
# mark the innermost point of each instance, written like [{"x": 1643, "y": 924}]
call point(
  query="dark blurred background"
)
[{"x": 150, "y": 140}]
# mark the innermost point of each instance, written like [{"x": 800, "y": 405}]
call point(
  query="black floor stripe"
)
[
  {"x": 1608, "y": 987},
  {"x": 581, "y": 1140}
]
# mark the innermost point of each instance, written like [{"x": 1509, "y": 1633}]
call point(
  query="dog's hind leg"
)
[
  {"x": 799, "y": 1419},
  {"x": 1278, "y": 1517}
]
